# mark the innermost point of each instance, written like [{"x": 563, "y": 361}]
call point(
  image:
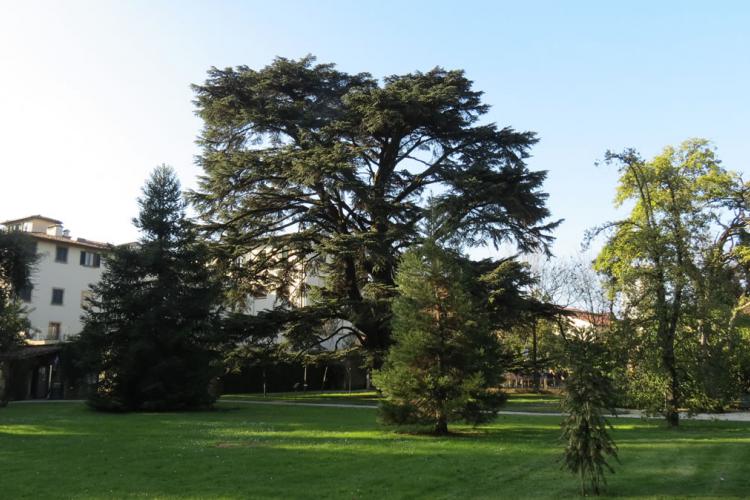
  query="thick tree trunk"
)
[
  {"x": 666, "y": 328},
  {"x": 441, "y": 424},
  {"x": 670, "y": 362},
  {"x": 4, "y": 383},
  {"x": 671, "y": 412}
]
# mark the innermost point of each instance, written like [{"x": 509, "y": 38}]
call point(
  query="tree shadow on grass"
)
[{"x": 292, "y": 452}]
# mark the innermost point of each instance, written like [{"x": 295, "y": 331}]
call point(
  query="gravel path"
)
[
  {"x": 740, "y": 416},
  {"x": 733, "y": 416}
]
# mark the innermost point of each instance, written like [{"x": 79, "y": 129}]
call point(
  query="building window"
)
[
  {"x": 57, "y": 296},
  {"x": 90, "y": 259},
  {"x": 61, "y": 255},
  {"x": 25, "y": 293},
  {"x": 53, "y": 331}
]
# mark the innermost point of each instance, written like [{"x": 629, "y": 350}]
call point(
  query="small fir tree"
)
[
  {"x": 589, "y": 394},
  {"x": 148, "y": 330},
  {"x": 445, "y": 361}
]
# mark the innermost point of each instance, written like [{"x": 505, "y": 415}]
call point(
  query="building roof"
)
[
  {"x": 81, "y": 242},
  {"x": 30, "y": 217},
  {"x": 595, "y": 319},
  {"x": 30, "y": 351}
]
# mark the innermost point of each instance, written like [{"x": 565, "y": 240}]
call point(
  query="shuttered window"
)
[{"x": 90, "y": 259}]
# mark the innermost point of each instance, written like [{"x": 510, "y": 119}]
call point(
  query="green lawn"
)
[
  {"x": 367, "y": 398},
  {"x": 537, "y": 403},
  {"x": 63, "y": 450}
]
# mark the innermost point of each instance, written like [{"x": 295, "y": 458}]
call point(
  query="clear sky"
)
[{"x": 94, "y": 94}]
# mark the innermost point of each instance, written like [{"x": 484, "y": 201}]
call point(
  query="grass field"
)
[
  {"x": 63, "y": 450},
  {"x": 366, "y": 398}
]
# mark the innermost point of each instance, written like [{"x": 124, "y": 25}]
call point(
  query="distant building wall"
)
[
  {"x": 64, "y": 271},
  {"x": 71, "y": 277}
]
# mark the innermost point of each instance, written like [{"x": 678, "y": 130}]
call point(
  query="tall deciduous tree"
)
[
  {"x": 307, "y": 167},
  {"x": 675, "y": 263},
  {"x": 446, "y": 361},
  {"x": 149, "y": 329}
]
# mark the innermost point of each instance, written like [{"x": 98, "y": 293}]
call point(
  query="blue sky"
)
[{"x": 94, "y": 94}]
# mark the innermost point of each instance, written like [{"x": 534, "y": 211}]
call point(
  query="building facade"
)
[{"x": 65, "y": 269}]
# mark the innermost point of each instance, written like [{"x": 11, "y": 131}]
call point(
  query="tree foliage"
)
[
  {"x": 149, "y": 328},
  {"x": 17, "y": 258},
  {"x": 308, "y": 169},
  {"x": 524, "y": 316},
  {"x": 589, "y": 393},
  {"x": 446, "y": 361},
  {"x": 676, "y": 266}
]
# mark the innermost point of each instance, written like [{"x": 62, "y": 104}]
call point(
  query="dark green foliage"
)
[
  {"x": 446, "y": 362},
  {"x": 589, "y": 394},
  {"x": 524, "y": 318},
  {"x": 149, "y": 330},
  {"x": 312, "y": 170},
  {"x": 17, "y": 259}
]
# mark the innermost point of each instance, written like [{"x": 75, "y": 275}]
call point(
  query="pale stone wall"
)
[{"x": 71, "y": 277}]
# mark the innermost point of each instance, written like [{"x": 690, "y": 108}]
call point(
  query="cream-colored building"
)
[{"x": 64, "y": 270}]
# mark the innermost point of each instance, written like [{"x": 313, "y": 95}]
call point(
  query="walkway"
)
[
  {"x": 734, "y": 416},
  {"x": 740, "y": 416}
]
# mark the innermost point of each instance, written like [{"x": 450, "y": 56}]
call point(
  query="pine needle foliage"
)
[
  {"x": 585, "y": 429},
  {"x": 308, "y": 167},
  {"x": 446, "y": 361},
  {"x": 149, "y": 328}
]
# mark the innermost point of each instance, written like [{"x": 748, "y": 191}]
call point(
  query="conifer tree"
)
[
  {"x": 589, "y": 394},
  {"x": 445, "y": 359},
  {"x": 148, "y": 330},
  {"x": 308, "y": 167}
]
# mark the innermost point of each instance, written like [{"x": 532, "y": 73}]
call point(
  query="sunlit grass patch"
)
[
  {"x": 33, "y": 430},
  {"x": 268, "y": 451}
]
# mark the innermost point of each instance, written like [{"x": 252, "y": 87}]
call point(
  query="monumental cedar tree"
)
[{"x": 308, "y": 167}]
